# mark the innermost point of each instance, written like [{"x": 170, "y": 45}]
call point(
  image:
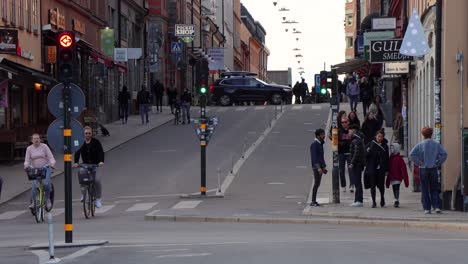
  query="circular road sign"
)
[
  {"x": 65, "y": 40},
  {"x": 55, "y": 135},
  {"x": 55, "y": 100}
]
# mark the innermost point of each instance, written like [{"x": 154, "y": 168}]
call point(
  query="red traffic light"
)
[{"x": 65, "y": 40}]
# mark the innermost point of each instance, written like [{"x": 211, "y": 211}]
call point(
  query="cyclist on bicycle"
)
[
  {"x": 91, "y": 153},
  {"x": 39, "y": 156}
]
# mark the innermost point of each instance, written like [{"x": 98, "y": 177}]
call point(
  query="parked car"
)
[{"x": 240, "y": 87}]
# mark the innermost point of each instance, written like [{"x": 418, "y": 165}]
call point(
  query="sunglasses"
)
[{"x": 88, "y": 133}]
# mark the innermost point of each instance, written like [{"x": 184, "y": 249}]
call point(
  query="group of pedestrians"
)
[
  {"x": 300, "y": 91},
  {"x": 145, "y": 98}
]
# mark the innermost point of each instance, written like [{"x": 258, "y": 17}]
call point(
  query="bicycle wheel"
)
[
  {"x": 92, "y": 206},
  {"x": 87, "y": 203},
  {"x": 38, "y": 205}
]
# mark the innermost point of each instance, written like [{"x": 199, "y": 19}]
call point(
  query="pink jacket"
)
[
  {"x": 38, "y": 157},
  {"x": 397, "y": 170}
]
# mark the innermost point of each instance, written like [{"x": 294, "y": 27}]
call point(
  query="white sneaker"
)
[
  {"x": 437, "y": 210},
  {"x": 343, "y": 189},
  {"x": 427, "y": 211},
  {"x": 81, "y": 198},
  {"x": 98, "y": 203},
  {"x": 357, "y": 204},
  {"x": 351, "y": 189}
]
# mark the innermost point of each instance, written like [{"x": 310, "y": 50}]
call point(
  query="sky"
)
[{"x": 322, "y": 39}]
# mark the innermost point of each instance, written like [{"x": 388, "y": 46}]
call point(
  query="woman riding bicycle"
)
[{"x": 39, "y": 156}]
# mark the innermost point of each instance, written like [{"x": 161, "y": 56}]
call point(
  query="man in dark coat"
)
[
  {"x": 297, "y": 92},
  {"x": 158, "y": 89},
  {"x": 124, "y": 101},
  {"x": 357, "y": 163},
  {"x": 377, "y": 159},
  {"x": 172, "y": 96},
  {"x": 143, "y": 100},
  {"x": 304, "y": 90},
  {"x": 319, "y": 166}
]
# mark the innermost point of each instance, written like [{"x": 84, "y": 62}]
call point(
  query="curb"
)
[
  {"x": 61, "y": 244},
  {"x": 110, "y": 149},
  {"x": 312, "y": 221}
]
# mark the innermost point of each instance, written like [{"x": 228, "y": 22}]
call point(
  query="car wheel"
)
[
  {"x": 225, "y": 100},
  {"x": 276, "y": 99}
]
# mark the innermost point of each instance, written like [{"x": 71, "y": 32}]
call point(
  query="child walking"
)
[{"x": 397, "y": 172}]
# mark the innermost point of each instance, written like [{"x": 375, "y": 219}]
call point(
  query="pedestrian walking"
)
[
  {"x": 397, "y": 173},
  {"x": 357, "y": 163},
  {"x": 377, "y": 163},
  {"x": 429, "y": 156},
  {"x": 370, "y": 126},
  {"x": 319, "y": 166},
  {"x": 344, "y": 155},
  {"x": 376, "y": 108},
  {"x": 353, "y": 92},
  {"x": 366, "y": 95},
  {"x": 186, "y": 104},
  {"x": 297, "y": 93},
  {"x": 124, "y": 102},
  {"x": 172, "y": 96},
  {"x": 158, "y": 89},
  {"x": 143, "y": 100},
  {"x": 304, "y": 90},
  {"x": 353, "y": 119}
]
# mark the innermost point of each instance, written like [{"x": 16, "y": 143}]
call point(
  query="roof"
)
[{"x": 350, "y": 66}]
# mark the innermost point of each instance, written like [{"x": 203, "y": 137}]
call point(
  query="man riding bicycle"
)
[
  {"x": 39, "y": 156},
  {"x": 91, "y": 153}
]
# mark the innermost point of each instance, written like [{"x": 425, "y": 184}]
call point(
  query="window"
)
[
  {"x": 29, "y": 15},
  {"x": 13, "y": 13},
  {"x": 349, "y": 1},
  {"x": 123, "y": 27},
  {"x": 349, "y": 20},
  {"x": 4, "y": 9},
  {"x": 349, "y": 42},
  {"x": 35, "y": 17},
  {"x": 21, "y": 14},
  {"x": 233, "y": 82}
]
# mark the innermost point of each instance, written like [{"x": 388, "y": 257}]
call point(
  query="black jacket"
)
[
  {"x": 124, "y": 97},
  {"x": 143, "y": 97},
  {"x": 377, "y": 157},
  {"x": 370, "y": 128},
  {"x": 317, "y": 155},
  {"x": 91, "y": 153},
  {"x": 344, "y": 141},
  {"x": 357, "y": 149},
  {"x": 158, "y": 89},
  {"x": 186, "y": 97}
]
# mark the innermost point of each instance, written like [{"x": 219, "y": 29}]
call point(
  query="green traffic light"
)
[
  {"x": 203, "y": 90},
  {"x": 323, "y": 91}
]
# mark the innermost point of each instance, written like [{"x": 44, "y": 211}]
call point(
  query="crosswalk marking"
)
[
  {"x": 104, "y": 209},
  {"x": 11, "y": 214},
  {"x": 316, "y": 107},
  {"x": 222, "y": 109},
  {"x": 141, "y": 207},
  {"x": 186, "y": 205},
  {"x": 57, "y": 211},
  {"x": 297, "y": 107},
  {"x": 241, "y": 108},
  {"x": 260, "y": 107}
]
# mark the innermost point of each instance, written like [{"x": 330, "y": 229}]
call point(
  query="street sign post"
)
[
  {"x": 335, "y": 105},
  {"x": 55, "y": 135},
  {"x": 176, "y": 47},
  {"x": 56, "y": 104}
]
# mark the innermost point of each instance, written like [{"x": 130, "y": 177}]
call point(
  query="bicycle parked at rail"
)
[
  {"x": 86, "y": 177},
  {"x": 39, "y": 199}
]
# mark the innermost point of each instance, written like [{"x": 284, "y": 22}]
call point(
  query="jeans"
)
[
  {"x": 159, "y": 100},
  {"x": 123, "y": 111},
  {"x": 353, "y": 102},
  {"x": 185, "y": 112},
  {"x": 45, "y": 183},
  {"x": 144, "y": 109},
  {"x": 365, "y": 107},
  {"x": 344, "y": 159},
  {"x": 430, "y": 188},
  {"x": 317, "y": 180},
  {"x": 396, "y": 191},
  {"x": 356, "y": 176},
  {"x": 97, "y": 184}
]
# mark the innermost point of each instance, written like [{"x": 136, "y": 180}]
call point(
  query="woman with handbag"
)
[{"x": 377, "y": 167}]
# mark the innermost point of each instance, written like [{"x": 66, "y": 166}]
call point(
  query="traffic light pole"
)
[
  {"x": 67, "y": 158},
  {"x": 203, "y": 143},
  {"x": 335, "y": 106}
]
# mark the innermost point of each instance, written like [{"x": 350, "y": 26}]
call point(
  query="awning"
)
[
  {"x": 101, "y": 57},
  {"x": 351, "y": 66},
  {"x": 38, "y": 76}
]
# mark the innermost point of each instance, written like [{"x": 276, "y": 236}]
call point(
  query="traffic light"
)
[
  {"x": 323, "y": 82},
  {"x": 203, "y": 88},
  {"x": 66, "y": 55}
]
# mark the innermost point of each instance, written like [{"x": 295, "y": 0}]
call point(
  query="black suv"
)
[{"x": 239, "y": 87}]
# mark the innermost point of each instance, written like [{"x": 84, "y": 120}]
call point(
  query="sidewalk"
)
[
  {"x": 410, "y": 202},
  {"x": 15, "y": 181}
]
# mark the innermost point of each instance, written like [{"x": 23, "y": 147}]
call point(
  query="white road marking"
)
[
  {"x": 241, "y": 108},
  {"x": 153, "y": 213},
  {"x": 297, "y": 107},
  {"x": 276, "y": 183},
  {"x": 222, "y": 109},
  {"x": 164, "y": 151},
  {"x": 81, "y": 253},
  {"x": 260, "y": 107},
  {"x": 308, "y": 123},
  {"x": 251, "y": 132},
  {"x": 186, "y": 205},
  {"x": 276, "y": 132},
  {"x": 176, "y": 245},
  {"x": 141, "y": 207},
  {"x": 316, "y": 107},
  {"x": 185, "y": 255},
  {"x": 301, "y": 167},
  {"x": 57, "y": 211},
  {"x": 104, "y": 209},
  {"x": 149, "y": 196},
  {"x": 163, "y": 250},
  {"x": 11, "y": 214}
]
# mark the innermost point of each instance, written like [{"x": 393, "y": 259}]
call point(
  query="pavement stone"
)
[{"x": 16, "y": 182}]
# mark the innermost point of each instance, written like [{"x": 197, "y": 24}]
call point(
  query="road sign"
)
[
  {"x": 55, "y": 135},
  {"x": 184, "y": 30},
  {"x": 176, "y": 47},
  {"x": 120, "y": 54},
  {"x": 317, "y": 83},
  {"x": 55, "y": 100}
]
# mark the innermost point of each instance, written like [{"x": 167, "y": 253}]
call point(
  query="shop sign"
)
[
  {"x": 51, "y": 54},
  {"x": 8, "y": 41},
  {"x": 217, "y": 55},
  {"x": 183, "y": 30},
  {"x": 396, "y": 68},
  {"x": 383, "y": 23},
  {"x": 56, "y": 19},
  {"x": 27, "y": 54},
  {"x": 120, "y": 54},
  {"x": 79, "y": 26},
  {"x": 387, "y": 51},
  {"x": 378, "y": 35}
]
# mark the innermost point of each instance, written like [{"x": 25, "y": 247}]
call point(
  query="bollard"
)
[
  {"x": 219, "y": 180},
  {"x": 244, "y": 148},
  {"x": 232, "y": 164},
  {"x": 51, "y": 236},
  {"x": 276, "y": 112}
]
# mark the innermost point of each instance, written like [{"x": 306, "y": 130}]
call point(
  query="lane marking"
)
[
  {"x": 57, "y": 211},
  {"x": 185, "y": 255},
  {"x": 177, "y": 244},
  {"x": 81, "y": 253},
  {"x": 260, "y": 107},
  {"x": 308, "y": 123},
  {"x": 141, "y": 207},
  {"x": 251, "y": 132},
  {"x": 297, "y": 107},
  {"x": 164, "y": 151},
  {"x": 186, "y": 205},
  {"x": 301, "y": 167},
  {"x": 222, "y": 110},
  {"x": 316, "y": 107},
  {"x": 11, "y": 214},
  {"x": 276, "y": 183},
  {"x": 276, "y": 132},
  {"x": 241, "y": 108},
  {"x": 153, "y": 213},
  {"x": 231, "y": 176},
  {"x": 149, "y": 196},
  {"x": 163, "y": 250},
  {"x": 104, "y": 209}
]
